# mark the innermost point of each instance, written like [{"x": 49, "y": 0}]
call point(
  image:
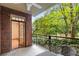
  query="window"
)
[{"x": 17, "y": 18}]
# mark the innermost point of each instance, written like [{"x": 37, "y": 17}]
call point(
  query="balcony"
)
[{"x": 66, "y": 46}]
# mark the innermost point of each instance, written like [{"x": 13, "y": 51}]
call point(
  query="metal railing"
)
[{"x": 56, "y": 43}]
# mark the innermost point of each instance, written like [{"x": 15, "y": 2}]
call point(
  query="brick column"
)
[
  {"x": 28, "y": 30},
  {"x": 0, "y": 30},
  {"x": 5, "y": 32}
]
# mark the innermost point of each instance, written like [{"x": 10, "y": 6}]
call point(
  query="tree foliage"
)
[{"x": 63, "y": 20}]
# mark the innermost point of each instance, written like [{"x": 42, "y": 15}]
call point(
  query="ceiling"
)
[{"x": 23, "y": 8}]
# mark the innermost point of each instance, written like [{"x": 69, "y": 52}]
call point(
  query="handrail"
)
[
  {"x": 53, "y": 45},
  {"x": 55, "y": 36}
]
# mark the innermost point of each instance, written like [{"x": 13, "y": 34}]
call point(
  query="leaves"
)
[{"x": 58, "y": 21}]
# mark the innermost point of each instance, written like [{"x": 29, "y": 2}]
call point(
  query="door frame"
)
[{"x": 19, "y": 33}]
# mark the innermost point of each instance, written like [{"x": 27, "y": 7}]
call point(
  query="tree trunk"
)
[
  {"x": 65, "y": 19},
  {"x": 73, "y": 22},
  {"x": 73, "y": 27}
]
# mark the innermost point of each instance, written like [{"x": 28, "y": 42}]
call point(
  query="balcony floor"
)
[{"x": 34, "y": 50}]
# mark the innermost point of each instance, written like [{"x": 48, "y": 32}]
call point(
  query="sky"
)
[
  {"x": 38, "y": 16},
  {"x": 44, "y": 12}
]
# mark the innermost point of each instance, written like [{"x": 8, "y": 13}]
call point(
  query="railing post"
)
[
  {"x": 49, "y": 44},
  {"x": 36, "y": 39}
]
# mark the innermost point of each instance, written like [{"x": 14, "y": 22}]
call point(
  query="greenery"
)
[
  {"x": 61, "y": 21},
  {"x": 56, "y": 42}
]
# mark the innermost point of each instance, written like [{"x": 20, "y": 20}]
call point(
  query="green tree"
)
[{"x": 63, "y": 20}]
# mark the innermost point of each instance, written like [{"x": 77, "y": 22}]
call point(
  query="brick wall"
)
[
  {"x": 28, "y": 30},
  {"x": 5, "y": 32},
  {"x": 5, "y": 29},
  {"x": 0, "y": 30}
]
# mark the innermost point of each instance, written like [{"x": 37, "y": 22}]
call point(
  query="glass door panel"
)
[
  {"x": 15, "y": 34},
  {"x": 22, "y": 34}
]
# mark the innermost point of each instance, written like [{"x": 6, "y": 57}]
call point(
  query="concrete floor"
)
[{"x": 28, "y": 51}]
